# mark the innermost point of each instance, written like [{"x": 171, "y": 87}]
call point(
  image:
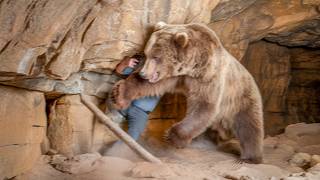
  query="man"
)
[{"x": 138, "y": 112}]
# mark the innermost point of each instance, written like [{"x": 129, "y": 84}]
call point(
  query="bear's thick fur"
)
[{"x": 221, "y": 94}]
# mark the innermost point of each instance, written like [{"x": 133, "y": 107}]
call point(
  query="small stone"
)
[
  {"x": 300, "y": 159},
  {"x": 315, "y": 168},
  {"x": 315, "y": 159},
  {"x": 79, "y": 164},
  {"x": 58, "y": 159},
  {"x": 150, "y": 170},
  {"x": 52, "y": 152}
]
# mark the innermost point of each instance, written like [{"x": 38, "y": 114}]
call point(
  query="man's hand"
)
[{"x": 126, "y": 62}]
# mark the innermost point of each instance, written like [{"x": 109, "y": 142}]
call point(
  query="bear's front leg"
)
[
  {"x": 125, "y": 91},
  {"x": 134, "y": 87},
  {"x": 119, "y": 97},
  {"x": 197, "y": 120}
]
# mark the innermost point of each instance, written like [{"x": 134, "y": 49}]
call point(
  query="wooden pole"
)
[{"x": 119, "y": 132}]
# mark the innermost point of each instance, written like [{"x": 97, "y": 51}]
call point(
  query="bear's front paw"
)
[
  {"x": 175, "y": 138},
  {"x": 254, "y": 160},
  {"x": 118, "y": 97}
]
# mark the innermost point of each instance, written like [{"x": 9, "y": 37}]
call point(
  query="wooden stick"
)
[{"x": 119, "y": 132}]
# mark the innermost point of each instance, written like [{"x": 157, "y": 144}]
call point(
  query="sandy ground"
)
[{"x": 289, "y": 156}]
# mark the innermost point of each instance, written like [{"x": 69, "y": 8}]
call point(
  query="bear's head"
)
[{"x": 178, "y": 50}]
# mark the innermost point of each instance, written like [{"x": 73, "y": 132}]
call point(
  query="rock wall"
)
[
  {"x": 54, "y": 50},
  {"x": 303, "y": 98},
  {"x": 54, "y": 39},
  {"x": 57, "y": 49},
  {"x": 289, "y": 82},
  {"x": 238, "y": 26},
  {"x": 270, "y": 66},
  {"x": 23, "y": 125}
]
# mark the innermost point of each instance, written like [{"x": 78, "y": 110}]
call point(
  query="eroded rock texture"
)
[
  {"x": 307, "y": 34},
  {"x": 270, "y": 66},
  {"x": 57, "y": 38},
  {"x": 23, "y": 125},
  {"x": 73, "y": 129},
  {"x": 288, "y": 79},
  {"x": 53, "y": 50},
  {"x": 66, "y": 47},
  {"x": 304, "y": 91},
  {"x": 288, "y": 156},
  {"x": 262, "y": 18}
]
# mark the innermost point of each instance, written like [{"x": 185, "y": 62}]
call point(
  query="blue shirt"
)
[{"x": 127, "y": 71}]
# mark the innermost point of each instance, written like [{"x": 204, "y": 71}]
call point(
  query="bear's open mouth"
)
[{"x": 154, "y": 78}]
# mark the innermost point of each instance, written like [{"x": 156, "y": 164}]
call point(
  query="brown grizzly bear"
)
[{"x": 221, "y": 94}]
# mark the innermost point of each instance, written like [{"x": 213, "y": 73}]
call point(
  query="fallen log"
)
[{"x": 119, "y": 132}]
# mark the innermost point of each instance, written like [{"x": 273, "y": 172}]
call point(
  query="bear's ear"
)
[
  {"x": 159, "y": 25},
  {"x": 182, "y": 39}
]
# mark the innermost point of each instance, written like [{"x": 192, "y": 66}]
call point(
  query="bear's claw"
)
[
  {"x": 256, "y": 160},
  {"x": 117, "y": 96}
]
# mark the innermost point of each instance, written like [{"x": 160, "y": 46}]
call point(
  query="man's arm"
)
[{"x": 126, "y": 67}]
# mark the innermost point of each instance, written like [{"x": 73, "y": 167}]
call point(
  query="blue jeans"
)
[{"x": 137, "y": 114}]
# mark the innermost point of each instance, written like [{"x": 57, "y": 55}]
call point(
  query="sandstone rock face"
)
[
  {"x": 288, "y": 79},
  {"x": 54, "y": 38},
  {"x": 73, "y": 128},
  {"x": 23, "y": 127},
  {"x": 89, "y": 83},
  {"x": 226, "y": 9},
  {"x": 306, "y": 34},
  {"x": 69, "y": 47},
  {"x": 32, "y": 36},
  {"x": 64, "y": 47},
  {"x": 303, "y": 94},
  {"x": 263, "y": 17},
  {"x": 270, "y": 66}
]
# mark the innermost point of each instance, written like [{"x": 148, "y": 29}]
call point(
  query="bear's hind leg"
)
[{"x": 249, "y": 130}]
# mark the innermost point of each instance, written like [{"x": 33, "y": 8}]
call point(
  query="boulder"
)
[
  {"x": 152, "y": 170},
  {"x": 79, "y": 164},
  {"x": 73, "y": 128},
  {"x": 305, "y": 136},
  {"x": 23, "y": 128},
  {"x": 315, "y": 159},
  {"x": 300, "y": 159}
]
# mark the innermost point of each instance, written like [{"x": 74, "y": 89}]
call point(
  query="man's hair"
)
[{"x": 141, "y": 57}]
